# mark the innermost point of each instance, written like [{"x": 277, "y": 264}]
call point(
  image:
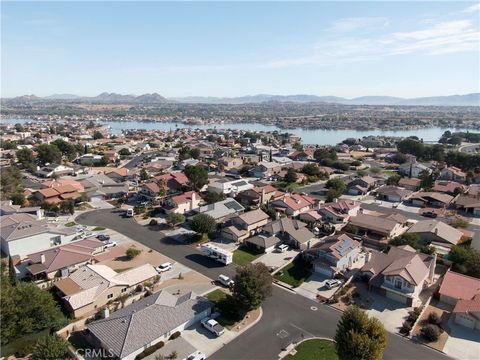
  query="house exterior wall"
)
[
  {"x": 448, "y": 300},
  {"x": 467, "y": 320},
  {"x": 32, "y": 244}
]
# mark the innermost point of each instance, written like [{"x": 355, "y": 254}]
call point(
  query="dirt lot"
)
[
  {"x": 146, "y": 256},
  {"x": 442, "y": 314}
]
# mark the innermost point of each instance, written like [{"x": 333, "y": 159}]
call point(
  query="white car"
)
[
  {"x": 282, "y": 248},
  {"x": 225, "y": 281},
  {"x": 164, "y": 267},
  {"x": 197, "y": 355},
  {"x": 332, "y": 283},
  {"x": 213, "y": 326},
  {"x": 109, "y": 244}
]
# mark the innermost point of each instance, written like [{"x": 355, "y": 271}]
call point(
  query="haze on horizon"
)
[{"x": 346, "y": 49}]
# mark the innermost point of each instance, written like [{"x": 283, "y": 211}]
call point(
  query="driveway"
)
[
  {"x": 391, "y": 313},
  {"x": 315, "y": 285},
  {"x": 462, "y": 343},
  {"x": 203, "y": 340},
  {"x": 277, "y": 259}
]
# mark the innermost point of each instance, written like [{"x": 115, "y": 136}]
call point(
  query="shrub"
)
[
  {"x": 132, "y": 253},
  {"x": 150, "y": 350},
  {"x": 433, "y": 318},
  {"x": 175, "y": 335},
  {"x": 406, "y": 327},
  {"x": 153, "y": 222},
  {"x": 430, "y": 332},
  {"x": 348, "y": 298}
]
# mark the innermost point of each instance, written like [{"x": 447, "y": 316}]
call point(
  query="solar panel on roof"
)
[{"x": 233, "y": 205}]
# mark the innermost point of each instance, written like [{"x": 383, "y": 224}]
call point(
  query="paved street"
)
[{"x": 286, "y": 316}]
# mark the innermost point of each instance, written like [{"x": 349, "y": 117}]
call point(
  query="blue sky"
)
[{"x": 348, "y": 49}]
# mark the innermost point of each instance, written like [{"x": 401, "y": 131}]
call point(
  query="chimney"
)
[
  {"x": 367, "y": 257},
  {"x": 42, "y": 258},
  {"x": 106, "y": 313}
]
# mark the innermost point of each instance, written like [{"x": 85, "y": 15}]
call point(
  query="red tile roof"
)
[{"x": 459, "y": 286}]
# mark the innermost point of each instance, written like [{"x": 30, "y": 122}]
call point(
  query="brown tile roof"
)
[{"x": 459, "y": 286}]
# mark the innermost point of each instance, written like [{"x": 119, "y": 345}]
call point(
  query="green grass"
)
[
  {"x": 23, "y": 345},
  {"x": 71, "y": 224},
  {"x": 314, "y": 349},
  {"x": 244, "y": 256},
  {"x": 98, "y": 228},
  {"x": 293, "y": 274},
  {"x": 122, "y": 270},
  {"x": 216, "y": 296}
]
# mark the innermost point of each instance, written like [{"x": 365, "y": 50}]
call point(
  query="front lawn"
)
[
  {"x": 294, "y": 273},
  {"x": 223, "y": 304},
  {"x": 70, "y": 224},
  {"x": 98, "y": 228},
  {"x": 216, "y": 296},
  {"x": 244, "y": 256},
  {"x": 121, "y": 270},
  {"x": 314, "y": 349}
]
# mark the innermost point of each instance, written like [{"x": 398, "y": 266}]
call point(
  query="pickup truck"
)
[{"x": 213, "y": 326}]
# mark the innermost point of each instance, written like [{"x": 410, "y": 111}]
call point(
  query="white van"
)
[
  {"x": 225, "y": 281},
  {"x": 129, "y": 212},
  {"x": 282, "y": 248}
]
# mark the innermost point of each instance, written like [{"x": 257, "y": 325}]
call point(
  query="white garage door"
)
[
  {"x": 396, "y": 297},
  {"x": 464, "y": 321},
  {"x": 322, "y": 270}
]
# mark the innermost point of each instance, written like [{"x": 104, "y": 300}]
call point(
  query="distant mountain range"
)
[{"x": 151, "y": 99}]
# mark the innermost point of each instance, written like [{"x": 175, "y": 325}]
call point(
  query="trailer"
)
[{"x": 214, "y": 252}]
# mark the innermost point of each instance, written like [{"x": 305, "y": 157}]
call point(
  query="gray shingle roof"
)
[{"x": 144, "y": 321}]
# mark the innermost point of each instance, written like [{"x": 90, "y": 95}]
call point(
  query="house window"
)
[
  {"x": 123, "y": 290},
  {"x": 109, "y": 296},
  {"x": 56, "y": 240},
  {"x": 398, "y": 283}
]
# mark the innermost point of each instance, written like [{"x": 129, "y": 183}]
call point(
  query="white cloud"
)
[
  {"x": 358, "y": 23},
  {"x": 473, "y": 8},
  {"x": 442, "y": 29}
]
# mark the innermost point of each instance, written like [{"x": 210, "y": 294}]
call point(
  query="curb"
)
[
  {"x": 252, "y": 323},
  {"x": 284, "y": 286},
  {"x": 292, "y": 346}
]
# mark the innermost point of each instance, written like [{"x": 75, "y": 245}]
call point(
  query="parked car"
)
[
  {"x": 103, "y": 237},
  {"x": 282, "y": 248},
  {"x": 430, "y": 214},
  {"x": 213, "y": 326},
  {"x": 110, "y": 244},
  {"x": 129, "y": 212},
  {"x": 225, "y": 281},
  {"x": 330, "y": 284},
  {"x": 197, "y": 355},
  {"x": 164, "y": 267}
]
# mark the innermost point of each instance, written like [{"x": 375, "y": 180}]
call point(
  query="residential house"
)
[
  {"x": 221, "y": 209},
  {"x": 293, "y": 204},
  {"x": 174, "y": 181},
  {"x": 311, "y": 216},
  {"x": 413, "y": 169},
  {"x": 290, "y": 231},
  {"x": 334, "y": 254},
  {"x": 93, "y": 286},
  {"x": 412, "y": 184},
  {"x": 449, "y": 187},
  {"x": 22, "y": 233},
  {"x": 90, "y": 159},
  {"x": 259, "y": 195},
  {"x": 431, "y": 199},
  {"x": 266, "y": 169},
  {"x": 7, "y": 208},
  {"x": 361, "y": 186},
  {"x": 244, "y": 225},
  {"x": 306, "y": 154},
  {"x": 400, "y": 274},
  {"x": 393, "y": 193},
  {"x": 462, "y": 292},
  {"x": 60, "y": 261},
  {"x": 61, "y": 182},
  {"x": 120, "y": 175},
  {"x": 230, "y": 163},
  {"x": 262, "y": 243},
  {"x": 453, "y": 173},
  {"x": 57, "y": 194},
  {"x": 183, "y": 203},
  {"x": 103, "y": 187},
  {"x": 468, "y": 204},
  {"x": 339, "y": 211},
  {"x": 436, "y": 232},
  {"x": 150, "y": 191},
  {"x": 54, "y": 170},
  {"x": 129, "y": 331},
  {"x": 379, "y": 227},
  {"x": 228, "y": 186}
]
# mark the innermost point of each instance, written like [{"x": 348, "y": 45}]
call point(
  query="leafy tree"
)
[
  {"x": 184, "y": 153},
  {"x": 272, "y": 214},
  {"x": 175, "y": 219},
  {"x": 144, "y": 175},
  {"x": 26, "y": 309},
  {"x": 352, "y": 229},
  {"x": 311, "y": 170},
  {"x": 410, "y": 239},
  {"x": 67, "y": 207},
  {"x": 197, "y": 176},
  {"x": 411, "y": 146},
  {"x": 466, "y": 260},
  {"x": 375, "y": 170},
  {"x": 90, "y": 124},
  {"x": 12, "y": 276},
  {"x": 430, "y": 332},
  {"x": 68, "y": 150},
  {"x": 204, "y": 224},
  {"x": 359, "y": 337},
  {"x": 393, "y": 180},
  {"x": 11, "y": 182},
  {"x": 25, "y": 157},
  {"x": 105, "y": 160},
  {"x": 458, "y": 222},
  {"x": 132, "y": 252},
  {"x": 19, "y": 128},
  {"x": 124, "y": 152},
  {"x": 336, "y": 187},
  {"x": 297, "y": 146},
  {"x": 427, "y": 179},
  {"x": 253, "y": 284},
  {"x": 325, "y": 154},
  {"x": 291, "y": 176},
  {"x": 97, "y": 135},
  {"x": 17, "y": 198},
  {"x": 48, "y": 154},
  {"x": 195, "y": 153},
  {"x": 213, "y": 197},
  {"x": 50, "y": 347}
]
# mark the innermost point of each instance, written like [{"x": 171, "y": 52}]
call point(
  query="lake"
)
[{"x": 309, "y": 136}]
